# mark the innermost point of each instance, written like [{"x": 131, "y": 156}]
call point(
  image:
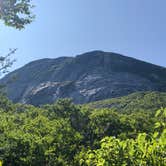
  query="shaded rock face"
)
[{"x": 88, "y": 77}]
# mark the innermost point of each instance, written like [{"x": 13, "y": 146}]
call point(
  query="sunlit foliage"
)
[
  {"x": 16, "y": 13},
  {"x": 66, "y": 134}
]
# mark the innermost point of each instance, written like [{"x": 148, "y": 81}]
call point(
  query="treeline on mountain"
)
[
  {"x": 68, "y": 134},
  {"x": 149, "y": 101}
]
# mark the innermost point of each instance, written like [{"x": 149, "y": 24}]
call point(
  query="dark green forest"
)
[{"x": 68, "y": 134}]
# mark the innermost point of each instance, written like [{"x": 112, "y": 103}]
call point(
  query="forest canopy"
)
[{"x": 68, "y": 134}]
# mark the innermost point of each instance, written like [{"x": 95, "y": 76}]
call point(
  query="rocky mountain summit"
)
[{"x": 85, "y": 78}]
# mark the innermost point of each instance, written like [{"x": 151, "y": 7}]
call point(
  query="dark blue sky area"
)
[{"x": 135, "y": 28}]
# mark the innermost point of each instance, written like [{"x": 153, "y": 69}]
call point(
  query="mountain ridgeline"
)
[{"x": 89, "y": 77}]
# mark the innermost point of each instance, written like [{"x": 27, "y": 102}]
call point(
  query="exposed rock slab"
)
[{"x": 88, "y": 77}]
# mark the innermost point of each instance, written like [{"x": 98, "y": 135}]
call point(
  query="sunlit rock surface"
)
[{"x": 88, "y": 77}]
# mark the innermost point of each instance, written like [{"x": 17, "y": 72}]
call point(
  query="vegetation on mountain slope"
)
[
  {"x": 68, "y": 134},
  {"x": 149, "y": 101}
]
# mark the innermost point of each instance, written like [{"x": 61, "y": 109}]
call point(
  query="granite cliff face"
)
[{"x": 88, "y": 77}]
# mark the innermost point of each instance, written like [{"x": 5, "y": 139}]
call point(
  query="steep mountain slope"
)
[{"x": 88, "y": 77}]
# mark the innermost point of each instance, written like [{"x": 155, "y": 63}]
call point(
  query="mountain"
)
[{"x": 92, "y": 76}]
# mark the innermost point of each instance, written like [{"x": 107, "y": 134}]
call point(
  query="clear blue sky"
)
[{"x": 136, "y": 28}]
